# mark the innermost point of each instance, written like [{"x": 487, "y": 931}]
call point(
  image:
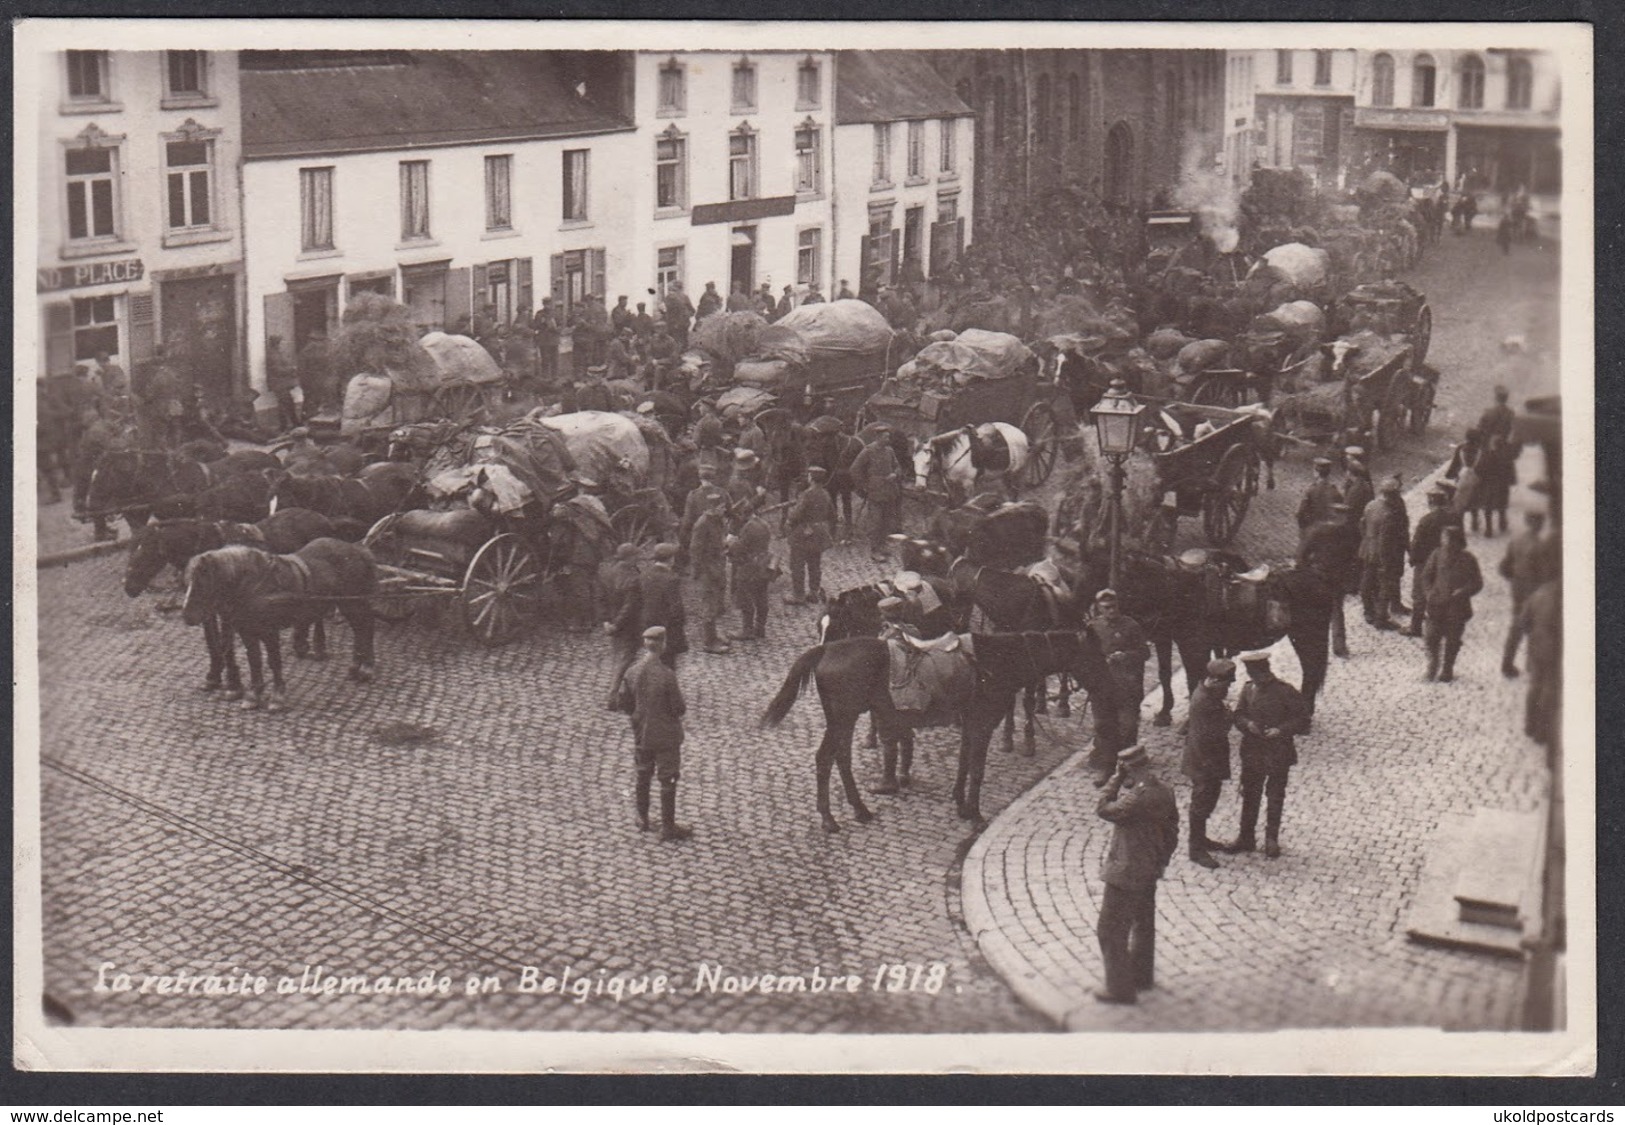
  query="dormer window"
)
[
  {"x": 808, "y": 88},
  {"x": 672, "y": 99},
  {"x": 744, "y": 86}
]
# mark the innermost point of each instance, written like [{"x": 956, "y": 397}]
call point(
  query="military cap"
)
[
  {"x": 707, "y": 468},
  {"x": 655, "y": 633},
  {"x": 1353, "y": 451},
  {"x": 1323, "y": 462},
  {"x": 1221, "y": 669},
  {"x": 817, "y": 472},
  {"x": 646, "y": 407},
  {"x": 665, "y": 551},
  {"x": 627, "y": 551},
  {"x": 1133, "y": 756},
  {"x": 746, "y": 456},
  {"x": 1107, "y": 594},
  {"x": 1259, "y": 657},
  {"x": 1340, "y": 507}
]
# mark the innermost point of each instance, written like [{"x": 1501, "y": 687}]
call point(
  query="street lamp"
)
[{"x": 1117, "y": 420}]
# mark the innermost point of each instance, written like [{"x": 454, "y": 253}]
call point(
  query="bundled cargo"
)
[
  {"x": 973, "y": 354},
  {"x": 1304, "y": 266},
  {"x": 523, "y": 463},
  {"x": 839, "y": 328},
  {"x": 458, "y": 359}
]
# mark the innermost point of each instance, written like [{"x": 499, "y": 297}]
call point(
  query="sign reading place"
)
[{"x": 52, "y": 278}]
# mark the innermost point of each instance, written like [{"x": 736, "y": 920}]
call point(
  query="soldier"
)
[
  {"x": 708, "y": 432},
  {"x": 844, "y": 293},
  {"x": 1269, "y": 714},
  {"x": 1207, "y": 755},
  {"x": 810, "y": 519},
  {"x": 158, "y": 392},
  {"x": 53, "y": 454},
  {"x": 738, "y": 299},
  {"x": 745, "y": 485},
  {"x": 98, "y": 435},
  {"x": 1357, "y": 488},
  {"x": 708, "y": 562},
  {"x": 623, "y": 362},
  {"x": 1123, "y": 643},
  {"x": 748, "y": 549},
  {"x": 707, "y": 492},
  {"x": 1532, "y": 560},
  {"x": 814, "y": 295},
  {"x": 620, "y": 581},
  {"x": 621, "y": 315},
  {"x": 1384, "y": 535},
  {"x": 1541, "y": 620},
  {"x": 1495, "y": 424},
  {"x": 652, "y": 696},
  {"x": 1331, "y": 551},
  {"x": 593, "y": 393},
  {"x": 1449, "y": 581},
  {"x": 1320, "y": 496},
  {"x": 660, "y": 602},
  {"x": 547, "y": 329},
  {"x": 878, "y": 478},
  {"x": 710, "y": 302},
  {"x": 281, "y": 377},
  {"x": 752, "y": 437},
  {"x": 1424, "y": 541},
  {"x": 315, "y": 364},
  {"x": 679, "y": 314},
  {"x": 1145, "y": 832}
]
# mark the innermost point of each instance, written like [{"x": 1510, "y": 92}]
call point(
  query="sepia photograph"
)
[{"x": 1009, "y": 547}]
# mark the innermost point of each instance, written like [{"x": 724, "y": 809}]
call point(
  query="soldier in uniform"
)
[
  {"x": 708, "y": 562},
  {"x": 315, "y": 365},
  {"x": 1532, "y": 560},
  {"x": 1541, "y": 620},
  {"x": 1269, "y": 714},
  {"x": 679, "y": 314},
  {"x": 98, "y": 435},
  {"x": 707, "y": 492},
  {"x": 751, "y": 437},
  {"x": 160, "y": 393},
  {"x": 654, "y": 699},
  {"x": 281, "y": 377},
  {"x": 1145, "y": 832},
  {"x": 745, "y": 485},
  {"x": 1385, "y": 530},
  {"x": 810, "y": 519},
  {"x": 1320, "y": 496},
  {"x": 620, "y": 581},
  {"x": 878, "y": 478},
  {"x": 1424, "y": 541},
  {"x": 710, "y": 303},
  {"x": 1449, "y": 581},
  {"x": 660, "y": 602},
  {"x": 1358, "y": 490},
  {"x": 1123, "y": 643},
  {"x": 545, "y": 324},
  {"x": 748, "y": 550},
  {"x": 1331, "y": 551},
  {"x": 1207, "y": 755}
]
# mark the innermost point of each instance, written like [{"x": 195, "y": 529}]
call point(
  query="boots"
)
[
  {"x": 1246, "y": 842},
  {"x": 1199, "y": 844},
  {"x": 1433, "y": 660},
  {"x": 669, "y": 828},
  {"x": 1448, "y": 673},
  {"x": 711, "y": 643},
  {"x": 644, "y": 780},
  {"x": 1272, "y": 847},
  {"x": 1414, "y": 629}
]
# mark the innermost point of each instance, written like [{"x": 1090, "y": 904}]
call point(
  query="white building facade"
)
[
  {"x": 1304, "y": 111},
  {"x": 139, "y": 225},
  {"x": 1240, "y": 99}
]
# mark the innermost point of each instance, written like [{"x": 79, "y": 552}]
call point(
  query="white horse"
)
[{"x": 962, "y": 457}]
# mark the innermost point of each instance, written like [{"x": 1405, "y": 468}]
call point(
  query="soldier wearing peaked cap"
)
[
  {"x": 1331, "y": 552},
  {"x": 1424, "y": 541},
  {"x": 1269, "y": 714},
  {"x": 810, "y": 519},
  {"x": 660, "y": 593},
  {"x": 1145, "y": 832},
  {"x": 651, "y": 695},
  {"x": 1207, "y": 755},
  {"x": 1319, "y": 497}
]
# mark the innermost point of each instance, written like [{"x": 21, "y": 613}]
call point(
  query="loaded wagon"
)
[
  {"x": 442, "y": 376},
  {"x": 823, "y": 358},
  {"x": 1214, "y": 476}
]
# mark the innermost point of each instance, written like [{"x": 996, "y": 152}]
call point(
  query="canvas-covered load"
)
[
  {"x": 728, "y": 337},
  {"x": 1304, "y": 266},
  {"x": 975, "y": 354},
  {"x": 460, "y": 360},
  {"x": 368, "y": 404},
  {"x": 607, "y": 448},
  {"x": 1385, "y": 186},
  {"x": 1298, "y": 319},
  {"x": 523, "y": 463},
  {"x": 1112, "y": 326},
  {"x": 1374, "y": 350},
  {"x": 763, "y": 372},
  {"x": 748, "y": 399},
  {"x": 847, "y": 327}
]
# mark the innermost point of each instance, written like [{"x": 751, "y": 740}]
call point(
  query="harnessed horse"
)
[{"x": 960, "y": 458}]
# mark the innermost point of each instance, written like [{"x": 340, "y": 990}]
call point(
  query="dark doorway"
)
[
  {"x": 1120, "y": 165},
  {"x": 314, "y": 310},
  {"x": 200, "y": 332},
  {"x": 742, "y": 263},
  {"x": 914, "y": 239}
]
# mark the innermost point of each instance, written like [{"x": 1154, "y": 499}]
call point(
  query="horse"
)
[
  {"x": 960, "y": 458},
  {"x": 373, "y": 493},
  {"x": 853, "y": 677},
  {"x": 832, "y": 449},
  {"x": 256, "y": 595},
  {"x": 143, "y": 484}
]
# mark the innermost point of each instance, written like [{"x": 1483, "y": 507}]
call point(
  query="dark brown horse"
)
[
  {"x": 256, "y": 595},
  {"x": 145, "y": 483},
  {"x": 853, "y": 678},
  {"x": 373, "y": 493}
]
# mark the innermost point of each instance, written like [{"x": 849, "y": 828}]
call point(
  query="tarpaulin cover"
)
[
  {"x": 1387, "y": 186},
  {"x": 607, "y": 448},
  {"x": 839, "y": 327},
  {"x": 1076, "y": 314},
  {"x": 778, "y": 342},
  {"x": 1295, "y": 317},
  {"x": 536, "y": 461},
  {"x": 729, "y": 337},
  {"x": 460, "y": 359},
  {"x": 748, "y": 399},
  {"x": 762, "y": 372},
  {"x": 1302, "y": 265},
  {"x": 1376, "y": 349},
  {"x": 976, "y": 354}
]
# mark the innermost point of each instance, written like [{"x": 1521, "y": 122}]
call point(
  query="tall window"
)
[
  {"x": 882, "y": 169},
  {"x": 87, "y": 76},
  {"x": 1424, "y": 75},
  {"x": 1074, "y": 106},
  {"x": 1471, "y": 95},
  {"x": 671, "y": 171},
  {"x": 95, "y": 327},
  {"x": 673, "y": 89},
  {"x": 668, "y": 268},
  {"x": 742, "y": 165},
  {"x": 1283, "y": 68},
  {"x": 916, "y": 150},
  {"x": 188, "y": 167},
  {"x": 184, "y": 73},
  {"x": 499, "y": 192},
  {"x": 1323, "y": 68},
  {"x": 809, "y": 255},
  {"x": 808, "y": 87},
  {"x": 575, "y": 185},
  {"x": 316, "y": 208},
  {"x": 92, "y": 175},
  {"x": 1382, "y": 80},
  {"x": 1043, "y": 109},
  {"x": 947, "y": 158},
  {"x": 414, "y": 199},
  {"x": 809, "y": 159},
  {"x": 744, "y": 87},
  {"x": 1520, "y": 83}
]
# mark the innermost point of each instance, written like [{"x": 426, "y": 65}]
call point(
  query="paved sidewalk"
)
[{"x": 1317, "y": 937}]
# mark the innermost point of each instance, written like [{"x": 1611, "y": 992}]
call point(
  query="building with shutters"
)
[
  {"x": 464, "y": 184},
  {"x": 1305, "y": 112},
  {"x": 140, "y": 235},
  {"x": 731, "y": 178},
  {"x": 905, "y": 161}
]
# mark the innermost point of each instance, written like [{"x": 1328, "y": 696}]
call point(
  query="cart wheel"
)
[
  {"x": 380, "y": 540},
  {"x": 1217, "y": 391},
  {"x": 502, "y": 589},
  {"x": 1224, "y": 505},
  {"x": 1042, "y": 447},
  {"x": 459, "y": 402},
  {"x": 1392, "y": 410},
  {"x": 635, "y": 524},
  {"x": 1160, "y": 532},
  {"x": 1422, "y": 407},
  {"x": 1422, "y": 337}
]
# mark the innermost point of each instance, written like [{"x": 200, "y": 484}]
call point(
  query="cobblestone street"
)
[{"x": 470, "y": 813}]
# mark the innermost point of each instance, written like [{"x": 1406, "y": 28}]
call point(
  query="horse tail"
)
[{"x": 800, "y": 672}]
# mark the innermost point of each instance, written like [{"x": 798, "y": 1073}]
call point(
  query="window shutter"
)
[
  {"x": 596, "y": 257},
  {"x": 58, "y": 338},
  {"x": 942, "y": 236},
  {"x": 866, "y": 254},
  {"x": 555, "y": 266},
  {"x": 142, "y": 329},
  {"x": 458, "y": 306},
  {"x": 481, "y": 280},
  {"x": 526, "y": 286}
]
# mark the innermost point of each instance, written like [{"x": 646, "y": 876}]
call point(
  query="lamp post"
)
[{"x": 1117, "y": 420}]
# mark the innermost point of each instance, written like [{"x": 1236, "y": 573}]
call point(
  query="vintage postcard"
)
[{"x": 818, "y": 547}]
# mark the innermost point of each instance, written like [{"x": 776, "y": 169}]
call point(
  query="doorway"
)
[
  {"x": 315, "y": 308},
  {"x": 200, "y": 332},
  {"x": 742, "y": 262},
  {"x": 913, "y": 239}
]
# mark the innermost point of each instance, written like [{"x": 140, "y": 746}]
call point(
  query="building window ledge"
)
[
  {"x": 95, "y": 249},
  {"x": 314, "y": 255},
  {"x": 575, "y": 224},
  {"x": 742, "y": 110},
  {"x": 948, "y": 177},
  {"x": 417, "y": 244},
  {"x": 189, "y": 101},
  {"x": 809, "y": 195},
  {"x": 882, "y": 185},
  {"x": 916, "y": 181},
  {"x": 670, "y": 111},
  {"x": 195, "y": 237},
  {"x": 808, "y": 107},
  {"x": 88, "y": 107},
  {"x": 504, "y": 232},
  {"x": 664, "y": 213}
]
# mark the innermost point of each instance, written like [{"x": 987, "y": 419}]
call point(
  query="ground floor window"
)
[
  {"x": 668, "y": 268},
  {"x": 809, "y": 255},
  {"x": 503, "y": 289},
  {"x": 95, "y": 327},
  {"x": 423, "y": 291}
]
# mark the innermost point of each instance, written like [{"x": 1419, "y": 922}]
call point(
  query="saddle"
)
[
  {"x": 1242, "y": 598},
  {"x": 930, "y": 679}
]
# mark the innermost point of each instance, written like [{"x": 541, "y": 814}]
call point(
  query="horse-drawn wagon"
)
[
  {"x": 1214, "y": 476},
  {"x": 441, "y": 376}
]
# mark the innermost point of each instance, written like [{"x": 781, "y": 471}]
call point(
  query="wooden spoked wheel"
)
[
  {"x": 460, "y": 401},
  {"x": 636, "y": 524},
  {"x": 381, "y": 541},
  {"x": 1225, "y": 503},
  {"x": 1421, "y": 337},
  {"x": 1042, "y": 445},
  {"x": 502, "y": 591}
]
